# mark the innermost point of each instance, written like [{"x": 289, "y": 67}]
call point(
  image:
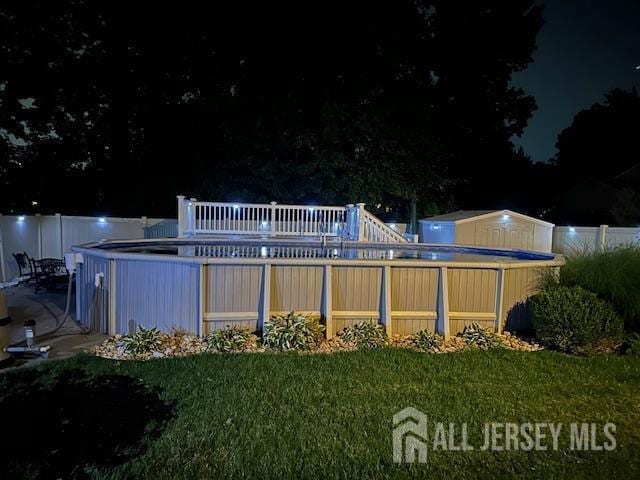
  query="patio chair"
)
[
  {"x": 50, "y": 273},
  {"x": 25, "y": 267}
]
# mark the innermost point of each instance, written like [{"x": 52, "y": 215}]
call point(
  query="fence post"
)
[
  {"x": 272, "y": 224},
  {"x": 180, "y": 216},
  {"x": 39, "y": 219},
  {"x": 442, "y": 322},
  {"x": 59, "y": 217},
  {"x": 360, "y": 221},
  {"x": 602, "y": 238},
  {"x": 191, "y": 215}
]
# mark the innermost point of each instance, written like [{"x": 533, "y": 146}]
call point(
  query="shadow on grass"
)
[{"x": 66, "y": 426}]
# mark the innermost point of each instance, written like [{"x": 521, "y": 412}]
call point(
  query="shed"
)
[{"x": 488, "y": 228}]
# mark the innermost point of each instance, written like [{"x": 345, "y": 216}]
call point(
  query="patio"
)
[{"x": 45, "y": 308}]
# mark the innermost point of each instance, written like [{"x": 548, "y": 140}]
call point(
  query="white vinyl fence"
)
[
  {"x": 581, "y": 239},
  {"x": 50, "y": 236}
]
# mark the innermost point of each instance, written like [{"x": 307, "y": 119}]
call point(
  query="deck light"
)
[
  {"x": 505, "y": 217},
  {"x": 572, "y": 229},
  {"x": 21, "y": 218},
  {"x": 311, "y": 209},
  {"x": 393, "y": 225},
  {"x": 235, "y": 207},
  {"x": 102, "y": 220},
  {"x": 435, "y": 227}
]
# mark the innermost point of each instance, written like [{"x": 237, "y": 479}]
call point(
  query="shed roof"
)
[{"x": 462, "y": 216}]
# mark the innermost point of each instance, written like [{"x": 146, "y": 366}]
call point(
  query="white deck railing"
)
[{"x": 352, "y": 222}]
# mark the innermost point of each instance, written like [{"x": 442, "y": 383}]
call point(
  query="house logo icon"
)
[{"x": 410, "y": 436}]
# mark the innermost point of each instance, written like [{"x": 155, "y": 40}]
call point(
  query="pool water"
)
[{"x": 275, "y": 249}]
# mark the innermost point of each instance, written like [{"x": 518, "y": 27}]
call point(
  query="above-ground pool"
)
[{"x": 203, "y": 284}]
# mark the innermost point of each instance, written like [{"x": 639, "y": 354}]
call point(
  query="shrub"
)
[
  {"x": 475, "y": 335},
  {"x": 365, "y": 335},
  {"x": 143, "y": 341},
  {"x": 572, "y": 317},
  {"x": 425, "y": 341},
  {"x": 614, "y": 275},
  {"x": 631, "y": 345},
  {"x": 230, "y": 339},
  {"x": 292, "y": 332}
]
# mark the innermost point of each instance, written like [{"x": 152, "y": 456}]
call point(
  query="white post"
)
[
  {"x": 499, "y": 295},
  {"x": 385, "y": 300},
  {"x": 39, "y": 219},
  {"x": 265, "y": 297},
  {"x": 112, "y": 321},
  {"x": 442, "y": 325},
  {"x": 326, "y": 306},
  {"x": 191, "y": 215},
  {"x": 201, "y": 297},
  {"x": 181, "y": 218},
  {"x": 602, "y": 238},
  {"x": 61, "y": 234},
  {"x": 272, "y": 223},
  {"x": 360, "y": 221}
]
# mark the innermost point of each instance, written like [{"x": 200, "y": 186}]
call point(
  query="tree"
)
[
  {"x": 601, "y": 142},
  {"x": 391, "y": 104}
]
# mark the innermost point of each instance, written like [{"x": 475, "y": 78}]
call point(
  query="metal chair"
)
[
  {"x": 50, "y": 273},
  {"x": 25, "y": 267}
]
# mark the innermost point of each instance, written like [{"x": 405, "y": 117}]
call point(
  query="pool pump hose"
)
[{"x": 30, "y": 335}]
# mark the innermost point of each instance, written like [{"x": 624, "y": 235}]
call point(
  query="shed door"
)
[{"x": 500, "y": 234}]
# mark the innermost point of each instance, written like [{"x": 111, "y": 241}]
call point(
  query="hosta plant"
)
[
  {"x": 230, "y": 339},
  {"x": 476, "y": 336},
  {"x": 365, "y": 335},
  {"x": 143, "y": 341},
  {"x": 425, "y": 340},
  {"x": 292, "y": 331}
]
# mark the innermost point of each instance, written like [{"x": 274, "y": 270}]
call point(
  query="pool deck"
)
[{"x": 45, "y": 308}]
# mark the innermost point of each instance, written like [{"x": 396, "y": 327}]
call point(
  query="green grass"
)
[
  {"x": 330, "y": 416},
  {"x": 613, "y": 275}
]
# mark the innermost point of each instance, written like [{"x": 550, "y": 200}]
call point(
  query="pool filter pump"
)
[{"x": 30, "y": 340}]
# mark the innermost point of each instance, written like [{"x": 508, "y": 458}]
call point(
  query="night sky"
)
[{"x": 585, "y": 49}]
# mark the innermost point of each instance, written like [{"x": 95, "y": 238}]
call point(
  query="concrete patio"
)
[{"x": 47, "y": 309}]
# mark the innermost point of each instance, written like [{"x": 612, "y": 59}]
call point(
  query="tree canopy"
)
[{"x": 116, "y": 110}]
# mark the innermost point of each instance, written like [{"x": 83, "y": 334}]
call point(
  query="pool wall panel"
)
[
  {"x": 519, "y": 285},
  {"x": 414, "y": 294},
  {"x": 471, "y": 291},
  {"x": 92, "y": 303},
  {"x": 232, "y": 296},
  {"x": 157, "y": 294},
  {"x": 356, "y": 293},
  {"x": 295, "y": 288}
]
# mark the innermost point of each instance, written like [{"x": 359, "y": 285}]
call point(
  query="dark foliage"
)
[
  {"x": 62, "y": 427},
  {"x": 397, "y": 104}
]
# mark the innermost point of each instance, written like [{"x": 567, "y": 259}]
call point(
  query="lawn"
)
[{"x": 313, "y": 416}]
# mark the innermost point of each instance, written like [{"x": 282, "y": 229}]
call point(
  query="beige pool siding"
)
[{"x": 233, "y": 296}]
